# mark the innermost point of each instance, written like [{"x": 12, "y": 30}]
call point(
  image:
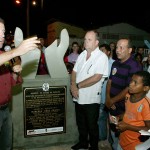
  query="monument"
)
[{"x": 42, "y": 108}]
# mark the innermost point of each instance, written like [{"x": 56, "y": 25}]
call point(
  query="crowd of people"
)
[
  {"x": 107, "y": 81},
  {"x": 122, "y": 94}
]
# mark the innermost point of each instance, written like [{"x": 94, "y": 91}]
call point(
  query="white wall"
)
[{"x": 116, "y": 31}]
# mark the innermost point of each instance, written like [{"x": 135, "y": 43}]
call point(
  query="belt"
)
[{"x": 3, "y": 107}]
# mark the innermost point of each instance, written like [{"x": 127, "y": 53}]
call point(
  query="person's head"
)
[
  {"x": 140, "y": 50},
  {"x": 140, "y": 83},
  {"x": 42, "y": 41},
  {"x": 105, "y": 48},
  {"x": 138, "y": 57},
  {"x": 75, "y": 47},
  {"x": 123, "y": 49},
  {"x": 40, "y": 46},
  {"x": 2, "y": 32},
  {"x": 91, "y": 40},
  {"x": 112, "y": 45}
]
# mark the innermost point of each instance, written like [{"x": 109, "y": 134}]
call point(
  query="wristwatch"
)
[{"x": 77, "y": 85}]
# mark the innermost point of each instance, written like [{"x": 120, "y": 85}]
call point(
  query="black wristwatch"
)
[{"x": 77, "y": 85}]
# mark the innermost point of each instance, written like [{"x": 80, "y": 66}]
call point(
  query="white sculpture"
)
[{"x": 53, "y": 55}]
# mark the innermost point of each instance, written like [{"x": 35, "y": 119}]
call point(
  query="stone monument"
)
[{"x": 42, "y": 108}]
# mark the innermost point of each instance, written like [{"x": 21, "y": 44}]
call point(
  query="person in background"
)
[
  {"x": 146, "y": 64},
  {"x": 86, "y": 80},
  {"x": 103, "y": 115},
  {"x": 72, "y": 57},
  {"x": 119, "y": 79},
  {"x": 140, "y": 50},
  {"x": 7, "y": 80},
  {"x": 42, "y": 68},
  {"x": 42, "y": 44},
  {"x": 137, "y": 114},
  {"x": 113, "y": 50},
  {"x": 138, "y": 57}
]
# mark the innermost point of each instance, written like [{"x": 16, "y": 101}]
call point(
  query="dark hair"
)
[
  {"x": 106, "y": 47},
  {"x": 146, "y": 77},
  {"x": 73, "y": 43},
  {"x": 130, "y": 45},
  {"x": 2, "y": 21},
  {"x": 138, "y": 54}
]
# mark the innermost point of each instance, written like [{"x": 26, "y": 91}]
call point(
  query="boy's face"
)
[{"x": 136, "y": 85}]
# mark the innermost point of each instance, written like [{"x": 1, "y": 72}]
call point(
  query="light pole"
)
[
  {"x": 28, "y": 19},
  {"x": 28, "y": 15},
  {"x": 28, "y": 12},
  {"x": 41, "y": 4}
]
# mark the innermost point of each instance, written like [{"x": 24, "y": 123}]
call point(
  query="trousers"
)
[
  {"x": 5, "y": 129},
  {"x": 87, "y": 122}
]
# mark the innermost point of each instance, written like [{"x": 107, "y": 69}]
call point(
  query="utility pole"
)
[{"x": 28, "y": 18}]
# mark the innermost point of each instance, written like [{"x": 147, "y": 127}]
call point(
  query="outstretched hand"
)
[{"x": 26, "y": 46}]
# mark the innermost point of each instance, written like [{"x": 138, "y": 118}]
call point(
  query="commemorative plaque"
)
[{"x": 44, "y": 110}]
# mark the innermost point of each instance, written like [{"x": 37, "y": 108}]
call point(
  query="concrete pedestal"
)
[{"x": 19, "y": 141}]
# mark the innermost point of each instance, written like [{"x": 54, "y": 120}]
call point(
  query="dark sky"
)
[{"x": 87, "y": 14}]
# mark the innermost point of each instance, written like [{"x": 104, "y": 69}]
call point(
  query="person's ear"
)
[
  {"x": 97, "y": 42},
  {"x": 130, "y": 50},
  {"x": 146, "y": 88}
]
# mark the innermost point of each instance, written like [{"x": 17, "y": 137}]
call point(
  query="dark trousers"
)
[{"x": 87, "y": 122}]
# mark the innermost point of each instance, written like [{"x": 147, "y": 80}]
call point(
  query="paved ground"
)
[{"x": 104, "y": 145}]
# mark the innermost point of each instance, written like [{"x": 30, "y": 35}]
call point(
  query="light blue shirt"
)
[{"x": 103, "y": 94}]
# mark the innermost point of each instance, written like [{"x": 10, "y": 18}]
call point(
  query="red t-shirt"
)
[{"x": 6, "y": 83}]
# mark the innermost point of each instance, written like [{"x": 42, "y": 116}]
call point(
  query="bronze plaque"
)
[{"x": 44, "y": 110}]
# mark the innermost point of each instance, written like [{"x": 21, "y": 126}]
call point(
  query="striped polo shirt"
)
[{"x": 121, "y": 74}]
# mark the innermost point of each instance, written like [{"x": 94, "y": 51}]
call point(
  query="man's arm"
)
[
  {"x": 25, "y": 46},
  {"x": 83, "y": 84},
  {"x": 117, "y": 98},
  {"x": 122, "y": 126},
  {"x": 90, "y": 81},
  {"x": 74, "y": 88},
  {"x": 120, "y": 96},
  {"x": 108, "y": 101}
]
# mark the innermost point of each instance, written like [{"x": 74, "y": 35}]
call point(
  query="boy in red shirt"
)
[{"x": 137, "y": 114}]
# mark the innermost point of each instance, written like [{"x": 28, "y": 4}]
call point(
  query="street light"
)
[
  {"x": 34, "y": 3},
  {"x": 18, "y": 1},
  {"x": 28, "y": 19}
]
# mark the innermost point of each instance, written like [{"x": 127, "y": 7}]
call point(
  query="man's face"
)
[
  {"x": 2, "y": 34},
  {"x": 122, "y": 50},
  {"x": 90, "y": 41}
]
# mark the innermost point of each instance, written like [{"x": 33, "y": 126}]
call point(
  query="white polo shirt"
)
[{"x": 96, "y": 64}]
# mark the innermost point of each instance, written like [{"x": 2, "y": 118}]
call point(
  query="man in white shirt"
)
[{"x": 86, "y": 80}]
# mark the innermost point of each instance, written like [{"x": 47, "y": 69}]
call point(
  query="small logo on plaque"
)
[{"x": 45, "y": 87}]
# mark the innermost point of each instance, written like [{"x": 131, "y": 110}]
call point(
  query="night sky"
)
[{"x": 87, "y": 14}]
